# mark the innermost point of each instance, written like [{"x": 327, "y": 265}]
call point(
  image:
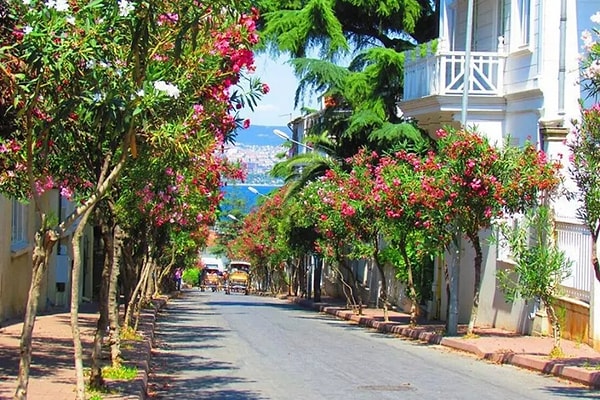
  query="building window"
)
[
  {"x": 18, "y": 235},
  {"x": 523, "y": 14}
]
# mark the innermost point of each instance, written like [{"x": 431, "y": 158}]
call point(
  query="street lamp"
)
[
  {"x": 253, "y": 190},
  {"x": 285, "y": 136}
]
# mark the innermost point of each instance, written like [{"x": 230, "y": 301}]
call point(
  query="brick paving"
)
[
  {"x": 53, "y": 372},
  {"x": 52, "y": 375}
]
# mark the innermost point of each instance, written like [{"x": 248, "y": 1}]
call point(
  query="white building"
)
[{"x": 523, "y": 83}]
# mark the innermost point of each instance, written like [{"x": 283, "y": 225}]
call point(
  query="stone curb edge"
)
[
  {"x": 549, "y": 367},
  {"x": 139, "y": 355}
]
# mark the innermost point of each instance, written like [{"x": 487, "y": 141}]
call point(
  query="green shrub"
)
[
  {"x": 122, "y": 373},
  {"x": 128, "y": 333},
  {"x": 191, "y": 275}
]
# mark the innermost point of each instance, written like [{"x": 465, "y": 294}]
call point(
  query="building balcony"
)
[{"x": 442, "y": 73}]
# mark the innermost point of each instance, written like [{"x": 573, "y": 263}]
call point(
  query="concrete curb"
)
[
  {"x": 138, "y": 356},
  {"x": 558, "y": 368}
]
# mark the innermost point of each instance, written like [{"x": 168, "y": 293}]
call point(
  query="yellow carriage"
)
[{"x": 238, "y": 279}]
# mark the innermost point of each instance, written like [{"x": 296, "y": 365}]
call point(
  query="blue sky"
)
[{"x": 277, "y": 107}]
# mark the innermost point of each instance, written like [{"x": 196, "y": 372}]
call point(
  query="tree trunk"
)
[
  {"x": 135, "y": 295},
  {"x": 412, "y": 293},
  {"x": 129, "y": 273},
  {"x": 555, "y": 322},
  {"x": 384, "y": 289},
  {"x": 596, "y": 252},
  {"x": 302, "y": 277},
  {"x": 348, "y": 288},
  {"x": 452, "y": 287},
  {"x": 113, "y": 299},
  {"x": 317, "y": 280},
  {"x": 144, "y": 279},
  {"x": 292, "y": 277},
  {"x": 44, "y": 242},
  {"x": 75, "y": 278},
  {"x": 474, "y": 238},
  {"x": 165, "y": 272},
  {"x": 383, "y": 295},
  {"x": 96, "y": 380}
]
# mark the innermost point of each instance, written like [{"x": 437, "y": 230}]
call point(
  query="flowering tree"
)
[
  {"x": 483, "y": 182},
  {"x": 362, "y": 213},
  {"x": 174, "y": 197},
  {"x": 585, "y": 164},
  {"x": 301, "y": 235},
  {"x": 414, "y": 207},
  {"x": 590, "y": 60},
  {"x": 320, "y": 203},
  {"x": 260, "y": 241},
  {"x": 340, "y": 204},
  {"x": 89, "y": 82},
  {"x": 584, "y": 143}
]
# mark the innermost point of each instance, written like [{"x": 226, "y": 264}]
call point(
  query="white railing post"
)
[
  {"x": 500, "y": 83},
  {"x": 441, "y": 67}
]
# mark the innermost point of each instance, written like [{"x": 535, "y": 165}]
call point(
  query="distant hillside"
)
[{"x": 261, "y": 135}]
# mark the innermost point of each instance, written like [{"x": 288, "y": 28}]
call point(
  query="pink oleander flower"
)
[
  {"x": 487, "y": 212},
  {"x": 440, "y": 133},
  {"x": 66, "y": 193},
  {"x": 160, "y": 57},
  {"x": 168, "y": 18}
]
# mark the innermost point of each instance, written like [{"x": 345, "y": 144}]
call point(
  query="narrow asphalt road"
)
[{"x": 215, "y": 346}]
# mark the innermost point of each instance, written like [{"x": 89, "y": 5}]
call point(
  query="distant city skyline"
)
[
  {"x": 261, "y": 135},
  {"x": 258, "y": 149}
]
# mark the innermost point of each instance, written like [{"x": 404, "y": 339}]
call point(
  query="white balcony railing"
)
[{"x": 443, "y": 72}]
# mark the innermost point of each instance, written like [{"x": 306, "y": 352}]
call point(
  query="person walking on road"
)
[{"x": 178, "y": 275}]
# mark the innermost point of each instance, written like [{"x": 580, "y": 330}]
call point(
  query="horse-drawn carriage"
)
[
  {"x": 213, "y": 280},
  {"x": 212, "y": 276},
  {"x": 238, "y": 279}
]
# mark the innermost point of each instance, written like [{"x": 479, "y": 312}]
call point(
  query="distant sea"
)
[{"x": 240, "y": 197}]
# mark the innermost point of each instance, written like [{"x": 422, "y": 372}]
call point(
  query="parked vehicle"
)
[{"x": 238, "y": 279}]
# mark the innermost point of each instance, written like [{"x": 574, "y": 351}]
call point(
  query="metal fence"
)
[{"x": 576, "y": 241}]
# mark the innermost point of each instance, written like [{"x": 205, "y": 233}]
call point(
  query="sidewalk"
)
[
  {"x": 53, "y": 374},
  {"x": 581, "y": 363}
]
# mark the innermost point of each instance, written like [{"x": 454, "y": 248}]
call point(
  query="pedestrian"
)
[
  {"x": 178, "y": 274},
  {"x": 201, "y": 279}
]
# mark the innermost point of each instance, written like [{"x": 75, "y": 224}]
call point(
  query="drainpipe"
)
[
  {"x": 561, "y": 57},
  {"x": 540, "y": 39},
  {"x": 467, "y": 74}
]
